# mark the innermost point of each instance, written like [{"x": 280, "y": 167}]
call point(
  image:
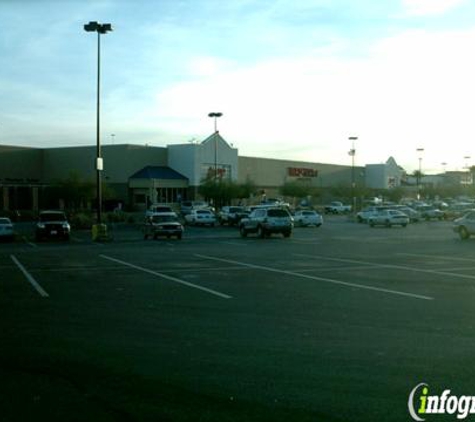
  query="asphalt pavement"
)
[{"x": 337, "y": 323}]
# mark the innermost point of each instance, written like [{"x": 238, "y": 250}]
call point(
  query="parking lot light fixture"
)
[
  {"x": 352, "y": 153},
  {"x": 215, "y": 116},
  {"x": 419, "y": 175},
  {"x": 100, "y": 29}
]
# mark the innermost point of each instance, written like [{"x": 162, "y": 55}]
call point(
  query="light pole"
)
[
  {"x": 353, "y": 180},
  {"x": 215, "y": 115},
  {"x": 419, "y": 176},
  {"x": 100, "y": 29},
  {"x": 467, "y": 166}
]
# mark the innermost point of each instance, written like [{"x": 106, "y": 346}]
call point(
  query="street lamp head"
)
[
  {"x": 104, "y": 28},
  {"x": 215, "y": 114},
  {"x": 353, "y": 138},
  {"x": 97, "y": 27},
  {"x": 91, "y": 27}
]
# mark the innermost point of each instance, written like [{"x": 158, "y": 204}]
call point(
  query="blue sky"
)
[{"x": 293, "y": 79}]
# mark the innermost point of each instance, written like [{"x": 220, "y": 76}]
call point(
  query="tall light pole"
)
[
  {"x": 419, "y": 176},
  {"x": 100, "y": 29},
  {"x": 215, "y": 115},
  {"x": 467, "y": 166},
  {"x": 353, "y": 180}
]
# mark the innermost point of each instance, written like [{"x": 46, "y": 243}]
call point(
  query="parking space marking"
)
[
  {"x": 33, "y": 245},
  {"x": 167, "y": 277},
  {"x": 391, "y": 266},
  {"x": 310, "y": 277},
  {"x": 29, "y": 277},
  {"x": 441, "y": 257},
  {"x": 233, "y": 243}
]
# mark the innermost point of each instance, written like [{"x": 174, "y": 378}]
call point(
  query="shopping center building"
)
[{"x": 142, "y": 174}]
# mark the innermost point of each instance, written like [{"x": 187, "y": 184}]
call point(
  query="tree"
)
[
  {"x": 222, "y": 192},
  {"x": 418, "y": 175},
  {"x": 74, "y": 191},
  {"x": 295, "y": 189}
]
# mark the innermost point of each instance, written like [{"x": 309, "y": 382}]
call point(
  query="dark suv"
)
[
  {"x": 265, "y": 221},
  {"x": 52, "y": 224}
]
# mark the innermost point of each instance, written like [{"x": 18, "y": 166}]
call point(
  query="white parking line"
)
[
  {"x": 438, "y": 257},
  {"x": 28, "y": 276},
  {"x": 326, "y": 280},
  {"x": 33, "y": 245},
  {"x": 167, "y": 277},
  {"x": 391, "y": 266}
]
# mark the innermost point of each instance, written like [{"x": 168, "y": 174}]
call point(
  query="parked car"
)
[
  {"x": 363, "y": 215},
  {"x": 200, "y": 217},
  {"x": 429, "y": 212},
  {"x": 159, "y": 208},
  {"x": 337, "y": 207},
  {"x": 52, "y": 224},
  {"x": 414, "y": 216},
  {"x": 232, "y": 215},
  {"x": 6, "y": 229},
  {"x": 308, "y": 218},
  {"x": 187, "y": 206},
  {"x": 389, "y": 218},
  {"x": 265, "y": 221},
  {"x": 465, "y": 226},
  {"x": 162, "y": 224}
]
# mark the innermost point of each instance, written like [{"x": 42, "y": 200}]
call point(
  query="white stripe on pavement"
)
[
  {"x": 28, "y": 276},
  {"x": 391, "y": 266},
  {"x": 167, "y": 277},
  {"x": 310, "y": 277}
]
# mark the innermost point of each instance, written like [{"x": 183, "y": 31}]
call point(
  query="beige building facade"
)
[{"x": 141, "y": 174}]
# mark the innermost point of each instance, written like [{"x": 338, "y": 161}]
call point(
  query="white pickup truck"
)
[{"x": 337, "y": 207}]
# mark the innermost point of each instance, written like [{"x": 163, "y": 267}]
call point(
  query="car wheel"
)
[
  {"x": 404, "y": 225},
  {"x": 371, "y": 224},
  {"x": 178, "y": 236},
  {"x": 260, "y": 232},
  {"x": 243, "y": 231},
  {"x": 463, "y": 233},
  {"x": 287, "y": 234},
  {"x": 388, "y": 223}
]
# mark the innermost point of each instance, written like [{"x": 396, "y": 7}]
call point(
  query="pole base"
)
[{"x": 99, "y": 233}]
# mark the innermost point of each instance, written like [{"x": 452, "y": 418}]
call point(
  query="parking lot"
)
[{"x": 337, "y": 323}]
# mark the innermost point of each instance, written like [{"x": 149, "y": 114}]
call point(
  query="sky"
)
[{"x": 294, "y": 79}]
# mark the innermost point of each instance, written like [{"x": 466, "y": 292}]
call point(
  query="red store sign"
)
[{"x": 302, "y": 172}]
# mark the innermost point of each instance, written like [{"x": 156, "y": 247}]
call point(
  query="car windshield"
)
[
  {"x": 163, "y": 218},
  {"x": 52, "y": 216},
  {"x": 5, "y": 221},
  {"x": 162, "y": 209},
  {"x": 277, "y": 213}
]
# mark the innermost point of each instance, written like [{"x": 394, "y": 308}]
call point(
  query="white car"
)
[
  {"x": 200, "y": 217},
  {"x": 388, "y": 218},
  {"x": 465, "y": 226},
  {"x": 158, "y": 209},
  {"x": 308, "y": 218},
  {"x": 6, "y": 229}
]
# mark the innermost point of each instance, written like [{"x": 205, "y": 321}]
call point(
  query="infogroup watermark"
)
[{"x": 421, "y": 404}]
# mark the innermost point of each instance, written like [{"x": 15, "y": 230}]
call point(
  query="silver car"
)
[
  {"x": 306, "y": 218},
  {"x": 265, "y": 221},
  {"x": 465, "y": 226},
  {"x": 6, "y": 229},
  {"x": 389, "y": 218}
]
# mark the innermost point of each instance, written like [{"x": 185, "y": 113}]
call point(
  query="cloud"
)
[
  {"x": 411, "y": 90},
  {"x": 430, "y": 7}
]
